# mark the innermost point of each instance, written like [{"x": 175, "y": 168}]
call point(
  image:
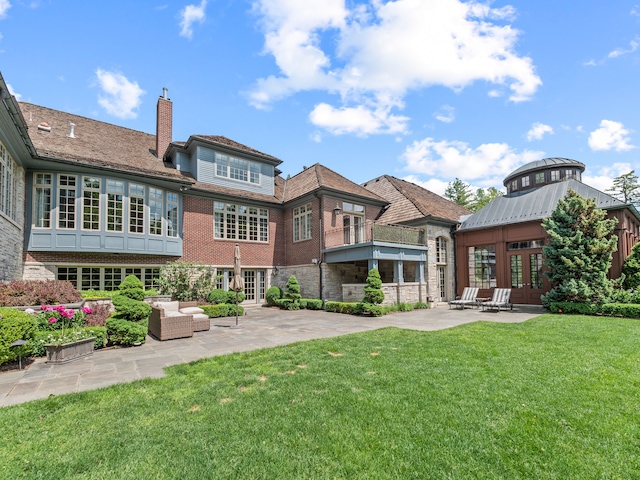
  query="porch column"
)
[
  {"x": 398, "y": 276},
  {"x": 420, "y": 272},
  {"x": 373, "y": 263}
]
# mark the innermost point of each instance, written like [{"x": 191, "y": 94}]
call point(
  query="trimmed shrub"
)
[
  {"x": 373, "y": 291},
  {"x": 311, "y": 303},
  {"x": 627, "y": 310},
  {"x": 231, "y": 297},
  {"x": 371, "y": 309},
  {"x": 124, "y": 332},
  {"x": 293, "y": 289},
  {"x": 222, "y": 310},
  {"x": 130, "y": 309},
  {"x": 217, "y": 295},
  {"x": 14, "y": 325},
  {"x": 421, "y": 305},
  {"x": 331, "y": 306},
  {"x": 37, "y": 292},
  {"x": 284, "y": 303},
  {"x": 273, "y": 293},
  {"x": 132, "y": 287},
  {"x": 573, "y": 307}
]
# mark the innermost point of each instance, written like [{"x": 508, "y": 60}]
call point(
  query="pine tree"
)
[
  {"x": 293, "y": 289},
  {"x": 373, "y": 291},
  {"x": 625, "y": 187},
  {"x": 631, "y": 269},
  {"x": 580, "y": 252},
  {"x": 460, "y": 193}
]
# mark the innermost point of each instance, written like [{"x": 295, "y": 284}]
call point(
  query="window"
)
[
  {"x": 514, "y": 185},
  {"x": 516, "y": 271},
  {"x": 42, "y": 200},
  {"x": 535, "y": 266},
  {"x": 115, "y": 208},
  {"x": 90, "y": 278},
  {"x": 151, "y": 278},
  {"x": 239, "y": 222},
  {"x": 249, "y": 284},
  {"x": 70, "y": 274},
  {"x": 172, "y": 214},
  {"x": 107, "y": 278},
  {"x": 302, "y": 222},
  {"x": 442, "y": 282},
  {"x": 9, "y": 172},
  {"x": 540, "y": 177},
  {"x": 90, "y": 203},
  {"x": 353, "y": 223},
  {"x": 112, "y": 278},
  {"x": 237, "y": 169},
  {"x": 525, "y": 245},
  {"x": 441, "y": 250},
  {"x": 525, "y": 181},
  {"x": 136, "y": 208},
  {"x": 155, "y": 211},
  {"x": 482, "y": 266},
  {"x": 555, "y": 175},
  {"x": 66, "y": 201}
]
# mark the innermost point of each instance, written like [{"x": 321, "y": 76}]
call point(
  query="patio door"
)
[
  {"x": 526, "y": 277},
  {"x": 353, "y": 228}
]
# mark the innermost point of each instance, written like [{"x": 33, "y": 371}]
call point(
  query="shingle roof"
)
[
  {"x": 318, "y": 176},
  {"x": 534, "y": 204},
  {"x": 234, "y": 192},
  {"x": 96, "y": 143},
  {"x": 412, "y": 202},
  {"x": 227, "y": 142}
]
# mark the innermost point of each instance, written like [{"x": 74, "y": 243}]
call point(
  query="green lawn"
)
[{"x": 554, "y": 397}]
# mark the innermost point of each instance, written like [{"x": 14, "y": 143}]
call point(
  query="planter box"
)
[{"x": 69, "y": 351}]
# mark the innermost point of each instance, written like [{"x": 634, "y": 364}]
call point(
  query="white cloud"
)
[
  {"x": 446, "y": 114},
  {"x": 121, "y": 97},
  {"x": 610, "y": 136},
  {"x": 538, "y": 130},
  {"x": 189, "y": 15},
  {"x": 5, "y": 5},
  {"x": 316, "y": 137},
  {"x": 618, "y": 52},
  {"x": 487, "y": 164},
  {"x": 374, "y": 53},
  {"x": 359, "y": 120},
  {"x": 13, "y": 92},
  {"x": 603, "y": 180},
  {"x": 434, "y": 185}
]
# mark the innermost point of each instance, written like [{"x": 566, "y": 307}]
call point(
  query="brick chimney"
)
[{"x": 164, "y": 121}]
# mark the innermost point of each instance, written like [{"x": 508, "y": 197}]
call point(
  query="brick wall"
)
[
  {"x": 303, "y": 251},
  {"x": 164, "y": 126}
]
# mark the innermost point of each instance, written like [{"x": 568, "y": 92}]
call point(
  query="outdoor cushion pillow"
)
[
  {"x": 169, "y": 306},
  {"x": 191, "y": 310}
]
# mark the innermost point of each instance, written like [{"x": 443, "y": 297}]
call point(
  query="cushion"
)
[
  {"x": 191, "y": 310},
  {"x": 169, "y": 306},
  {"x": 200, "y": 316}
]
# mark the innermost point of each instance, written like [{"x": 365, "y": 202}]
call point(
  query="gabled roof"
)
[
  {"x": 228, "y": 144},
  {"x": 96, "y": 143},
  {"x": 318, "y": 177},
  {"x": 412, "y": 202},
  {"x": 534, "y": 204}
]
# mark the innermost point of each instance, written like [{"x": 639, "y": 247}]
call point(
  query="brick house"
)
[{"x": 102, "y": 201}]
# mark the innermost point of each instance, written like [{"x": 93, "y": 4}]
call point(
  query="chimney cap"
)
[{"x": 165, "y": 93}]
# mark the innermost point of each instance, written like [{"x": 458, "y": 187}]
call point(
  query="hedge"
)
[
  {"x": 627, "y": 310},
  {"x": 222, "y": 310},
  {"x": 573, "y": 307},
  {"x": 124, "y": 332},
  {"x": 14, "y": 325}
]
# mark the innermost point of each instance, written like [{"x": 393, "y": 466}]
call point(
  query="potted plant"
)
[{"x": 67, "y": 340}]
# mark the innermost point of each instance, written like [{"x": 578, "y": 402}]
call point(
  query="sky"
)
[{"x": 425, "y": 90}]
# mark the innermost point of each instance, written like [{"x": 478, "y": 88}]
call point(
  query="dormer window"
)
[
  {"x": 540, "y": 177},
  {"x": 525, "y": 181},
  {"x": 555, "y": 175},
  {"x": 514, "y": 185},
  {"x": 237, "y": 169}
]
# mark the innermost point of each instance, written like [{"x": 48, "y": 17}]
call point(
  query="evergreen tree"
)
[
  {"x": 580, "y": 252},
  {"x": 460, "y": 193},
  {"x": 293, "y": 289},
  {"x": 373, "y": 291},
  {"x": 626, "y": 188},
  {"x": 631, "y": 269}
]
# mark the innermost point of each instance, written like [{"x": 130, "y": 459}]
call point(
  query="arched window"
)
[{"x": 441, "y": 250}]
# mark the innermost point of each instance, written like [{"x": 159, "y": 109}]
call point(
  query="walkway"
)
[{"x": 260, "y": 328}]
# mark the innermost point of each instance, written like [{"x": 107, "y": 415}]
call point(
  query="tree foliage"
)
[
  {"x": 579, "y": 254},
  {"x": 631, "y": 269},
  {"x": 293, "y": 289},
  {"x": 186, "y": 281},
  {"x": 460, "y": 192},
  {"x": 626, "y": 188}
]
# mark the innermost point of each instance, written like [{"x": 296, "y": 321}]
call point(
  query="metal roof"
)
[
  {"x": 534, "y": 204},
  {"x": 555, "y": 162}
]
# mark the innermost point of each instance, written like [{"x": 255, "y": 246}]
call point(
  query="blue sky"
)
[{"x": 426, "y": 90}]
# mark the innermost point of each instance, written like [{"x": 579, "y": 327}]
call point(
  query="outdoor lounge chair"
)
[
  {"x": 468, "y": 297},
  {"x": 171, "y": 320},
  {"x": 501, "y": 298}
]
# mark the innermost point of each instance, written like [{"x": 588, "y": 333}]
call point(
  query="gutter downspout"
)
[{"x": 320, "y": 243}]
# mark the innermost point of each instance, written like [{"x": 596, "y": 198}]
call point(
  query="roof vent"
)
[
  {"x": 72, "y": 132},
  {"x": 44, "y": 126}
]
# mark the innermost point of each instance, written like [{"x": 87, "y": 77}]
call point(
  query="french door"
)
[{"x": 526, "y": 277}]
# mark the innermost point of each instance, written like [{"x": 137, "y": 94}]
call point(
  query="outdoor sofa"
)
[{"x": 175, "y": 319}]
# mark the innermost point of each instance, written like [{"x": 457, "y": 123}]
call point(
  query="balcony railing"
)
[{"x": 371, "y": 231}]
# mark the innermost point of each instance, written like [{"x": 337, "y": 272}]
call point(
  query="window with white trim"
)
[
  {"x": 172, "y": 214},
  {"x": 441, "y": 250},
  {"x": 525, "y": 181},
  {"x": 136, "y": 208},
  {"x": 9, "y": 172},
  {"x": 240, "y": 222},
  {"x": 555, "y": 175},
  {"x": 91, "y": 203},
  {"x": 155, "y": 211},
  {"x": 302, "y": 222},
  {"x": 115, "y": 205},
  {"x": 540, "y": 177},
  {"x": 237, "y": 169},
  {"x": 106, "y": 278},
  {"x": 67, "y": 201},
  {"x": 42, "y": 200}
]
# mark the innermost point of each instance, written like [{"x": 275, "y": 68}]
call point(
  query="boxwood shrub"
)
[
  {"x": 222, "y": 310},
  {"x": 130, "y": 309},
  {"x": 573, "y": 307},
  {"x": 14, "y": 325},
  {"x": 273, "y": 293},
  {"x": 628, "y": 310},
  {"x": 311, "y": 303},
  {"x": 124, "y": 332}
]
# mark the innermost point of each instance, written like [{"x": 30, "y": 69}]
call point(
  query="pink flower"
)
[
  {"x": 46, "y": 308},
  {"x": 87, "y": 310},
  {"x": 67, "y": 313},
  {"x": 60, "y": 308},
  {"x": 53, "y": 320}
]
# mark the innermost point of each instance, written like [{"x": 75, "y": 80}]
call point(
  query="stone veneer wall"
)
[
  {"x": 431, "y": 273},
  {"x": 410, "y": 292},
  {"x": 335, "y": 275},
  {"x": 308, "y": 277},
  {"x": 12, "y": 236}
]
